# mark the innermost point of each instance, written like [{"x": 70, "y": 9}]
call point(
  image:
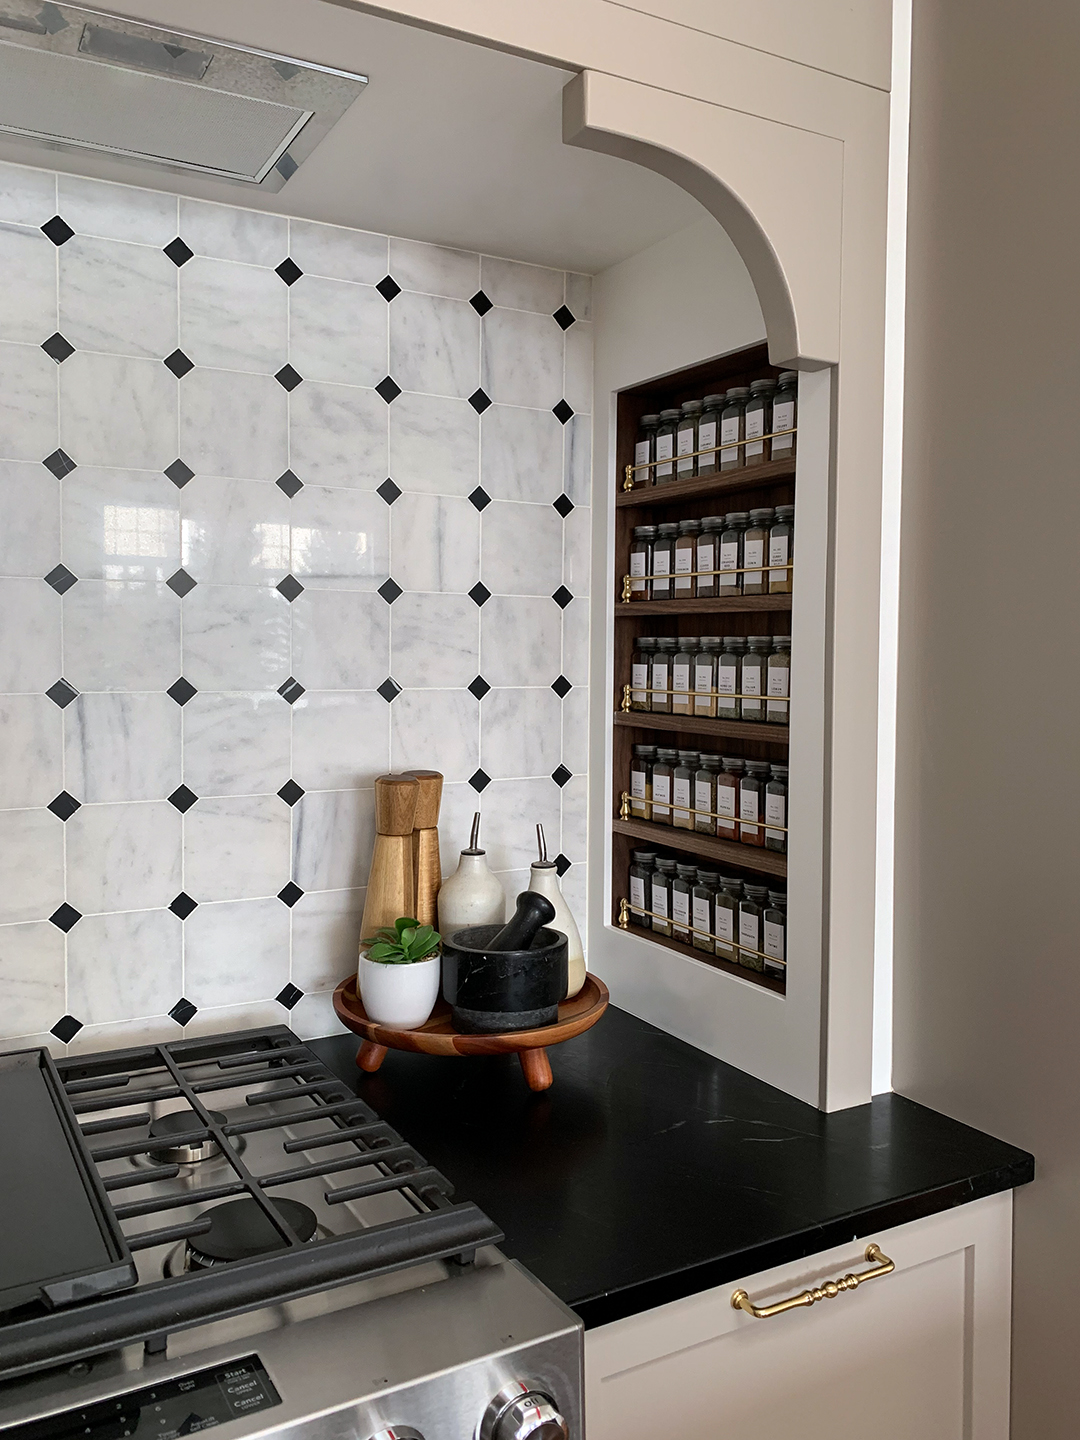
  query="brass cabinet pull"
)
[{"x": 881, "y": 1265}]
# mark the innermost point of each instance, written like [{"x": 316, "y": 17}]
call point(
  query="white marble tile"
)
[
  {"x": 337, "y": 252},
  {"x": 233, "y": 317},
  {"x": 460, "y": 803},
  {"x": 337, "y": 436},
  {"x": 435, "y": 730},
  {"x": 435, "y": 640},
  {"x": 521, "y": 733},
  {"x": 229, "y": 233},
  {"x": 233, "y": 424},
  {"x": 32, "y": 747},
  {"x": 340, "y": 538},
  {"x": 34, "y": 1042},
  {"x": 519, "y": 636},
  {"x": 236, "y": 846},
  {"x": 28, "y": 416},
  {"x": 575, "y": 744},
  {"x": 121, "y": 635},
  {"x": 236, "y": 637},
  {"x": 238, "y": 744},
  {"x": 511, "y": 811},
  {"x": 32, "y": 864},
  {"x": 234, "y": 532},
  {"x": 124, "y": 1034},
  {"x": 434, "y": 269},
  {"x": 575, "y": 653},
  {"x": 579, "y": 295},
  {"x": 521, "y": 454},
  {"x": 117, "y": 298},
  {"x": 235, "y": 952},
  {"x": 118, "y": 411},
  {"x": 578, "y": 379},
  {"x": 325, "y": 938},
  {"x": 123, "y": 857},
  {"x": 122, "y": 747},
  {"x": 117, "y": 212},
  {"x": 313, "y": 1017},
  {"x": 120, "y": 524},
  {"x": 522, "y": 359},
  {"x": 29, "y": 636},
  {"x": 577, "y": 459},
  {"x": 27, "y": 196},
  {"x": 29, "y": 518},
  {"x": 333, "y": 834},
  {"x": 28, "y": 314},
  {"x": 434, "y": 345},
  {"x": 575, "y": 815},
  {"x": 435, "y": 543},
  {"x": 31, "y": 977},
  {"x": 434, "y": 444},
  {"x": 123, "y": 966},
  {"x": 521, "y": 287},
  {"x": 337, "y": 331},
  {"x": 521, "y": 549},
  {"x": 341, "y": 639},
  {"x": 577, "y": 548},
  {"x": 223, "y": 1019},
  {"x": 340, "y": 739}
]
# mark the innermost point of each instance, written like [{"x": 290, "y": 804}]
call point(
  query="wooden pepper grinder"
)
[
  {"x": 391, "y": 888},
  {"x": 426, "y": 862}
]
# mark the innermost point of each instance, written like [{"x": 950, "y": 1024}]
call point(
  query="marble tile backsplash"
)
[{"x": 282, "y": 506}]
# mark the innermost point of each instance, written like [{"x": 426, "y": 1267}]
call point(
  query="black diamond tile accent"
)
[
  {"x": 562, "y": 687},
  {"x": 479, "y": 401},
  {"x": 562, "y": 412},
  {"x": 60, "y": 579},
  {"x": 288, "y": 378},
  {"x": 290, "y": 483},
  {"x": 180, "y": 583},
  {"x": 289, "y": 271},
  {"x": 291, "y": 792},
  {"x": 479, "y": 687},
  {"x": 561, "y": 775},
  {"x": 178, "y": 252},
  {"x": 64, "y": 918},
  {"x": 480, "y": 303},
  {"x": 389, "y": 690},
  {"x": 183, "y": 798},
  {"x": 479, "y": 781},
  {"x": 58, "y": 230},
  {"x": 389, "y": 491},
  {"x": 64, "y": 806},
  {"x": 388, "y": 288},
  {"x": 479, "y": 593},
  {"x": 183, "y": 1011},
  {"x": 286, "y": 166},
  {"x": 564, "y": 318},
  {"x": 182, "y": 906},
  {"x": 562, "y": 864},
  {"x": 291, "y": 690},
  {"x": 563, "y": 505},
  {"x": 390, "y": 590},
  {"x": 480, "y": 498},
  {"x": 57, "y": 348},
  {"x": 179, "y": 364},
  {"x": 181, "y": 691},
  {"x": 389, "y": 389},
  {"x": 179, "y": 473},
  {"x": 289, "y": 894},
  {"x": 62, "y": 693},
  {"x": 562, "y": 597},
  {"x": 59, "y": 463},
  {"x": 289, "y": 996},
  {"x": 290, "y": 587},
  {"x": 66, "y": 1028}
]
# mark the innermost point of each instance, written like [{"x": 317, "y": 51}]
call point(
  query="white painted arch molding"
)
[{"x": 777, "y": 191}]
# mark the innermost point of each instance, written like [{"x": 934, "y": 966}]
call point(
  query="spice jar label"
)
[
  {"x": 637, "y": 892},
  {"x": 774, "y": 940},
  {"x": 701, "y": 915},
  {"x": 783, "y": 418}
]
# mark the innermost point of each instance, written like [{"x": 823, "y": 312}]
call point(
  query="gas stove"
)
[{"x": 269, "y": 1255}]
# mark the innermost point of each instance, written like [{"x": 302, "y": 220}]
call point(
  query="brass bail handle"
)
[{"x": 879, "y": 1265}]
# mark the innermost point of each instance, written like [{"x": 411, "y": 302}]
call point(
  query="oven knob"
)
[{"x": 518, "y": 1413}]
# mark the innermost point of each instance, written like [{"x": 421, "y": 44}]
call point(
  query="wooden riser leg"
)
[
  {"x": 370, "y": 1056},
  {"x": 536, "y": 1068}
]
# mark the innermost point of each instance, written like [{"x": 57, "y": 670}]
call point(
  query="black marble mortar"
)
[{"x": 492, "y": 992}]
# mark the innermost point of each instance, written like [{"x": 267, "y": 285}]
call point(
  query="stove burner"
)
[
  {"x": 240, "y": 1230},
  {"x": 182, "y": 1122}
]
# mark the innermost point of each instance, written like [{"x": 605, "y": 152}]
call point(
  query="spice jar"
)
[
  {"x": 731, "y": 553},
  {"x": 685, "y": 555},
  {"x": 663, "y": 560},
  {"x": 662, "y": 775},
  {"x": 662, "y": 876},
  {"x": 660, "y": 676},
  {"x": 665, "y": 445},
  {"x": 645, "y": 450},
  {"x": 726, "y": 918},
  {"x": 752, "y": 802},
  {"x": 782, "y": 549},
  {"x": 758, "y": 418},
  {"x": 683, "y": 790},
  {"x": 784, "y": 415},
  {"x": 774, "y": 927},
  {"x": 708, "y": 554},
  {"x": 705, "y": 675},
  {"x": 686, "y": 440},
  {"x": 705, "y": 794},
  {"x": 642, "y": 864},
  {"x": 779, "y": 681},
  {"x": 732, "y": 427},
  {"x": 701, "y": 910},
  {"x": 708, "y": 434},
  {"x": 681, "y": 901},
  {"x": 641, "y": 562},
  {"x": 727, "y": 677},
  {"x": 641, "y": 764},
  {"x": 776, "y": 810},
  {"x": 751, "y": 909},
  {"x": 752, "y": 677},
  {"x": 682, "y": 675},
  {"x": 755, "y": 549},
  {"x": 727, "y": 797}
]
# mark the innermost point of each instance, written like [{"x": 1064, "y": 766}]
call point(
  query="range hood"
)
[{"x": 77, "y": 78}]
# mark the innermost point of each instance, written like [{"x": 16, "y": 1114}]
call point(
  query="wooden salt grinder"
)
[
  {"x": 426, "y": 862},
  {"x": 391, "y": 888}
]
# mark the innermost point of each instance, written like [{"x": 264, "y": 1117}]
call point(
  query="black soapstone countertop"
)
[{"x": 650, "y": 1171}]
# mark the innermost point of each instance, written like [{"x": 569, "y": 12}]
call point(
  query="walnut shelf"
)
[
  {"x": 701, "y": 725},
  {"x": 752, "y": 977},
  {"x": 710, "y": 847},
  {"x": 747, "y": 477},
  {"x": 736, "y": 605}
]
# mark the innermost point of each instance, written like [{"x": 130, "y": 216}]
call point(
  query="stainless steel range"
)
[{"x": 217, "y": 1232}]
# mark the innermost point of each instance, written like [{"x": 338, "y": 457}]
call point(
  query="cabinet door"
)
[{"x": 922, "y": 1352}]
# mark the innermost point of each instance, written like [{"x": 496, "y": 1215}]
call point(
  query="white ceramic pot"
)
[{"x": 402, "y": 996}]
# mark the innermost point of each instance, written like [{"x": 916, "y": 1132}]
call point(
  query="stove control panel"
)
[
  {"x": 165, "y": 1411},
  {"x": 521, "y": 1413}
]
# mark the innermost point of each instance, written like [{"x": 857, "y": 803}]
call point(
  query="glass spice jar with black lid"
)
[
  {"x": 705, "y": 794},
  {"x": 662, "y": 877},
  {"x": 662, "y": 777},
  {"x": 682, "y": 786},
  {"x": 755, "y": 551},
  {"x": 641, "y": 547},
  {"x": 708, "y": 555},
  {"x": 641, "y": 671},
  {"x": 702, "y": 897},
  {"x": 757, "y": 421},
  {"x": 660, "y": 676},
  {"x": 726, "y": 918},
  {"x": 752, "y": 803},
  {"x": 641, "y": 768},
  {"x": 784, "y": 412},
  {"x": 727, "y": 797},
  {"x": 732, "y": 427},
  {"x": 682, "y": 901},
  {"x": 705, "y": 662},
  {"x": 731, "y": 553},
  {"x": 727, "y": 677},
  {"x": 645, "y": 450},
  {"x": 778, "y": 681},
  {"x": 665, "y": 445},
  {"x": 686, "y": 440},
  {"x": 642, "y": 864},
  {"x": 776, "y": 810},
  {"x": 663, "y": 559},
  {"x": 751, "y": 910},
  {"x": 682, "y": 675},
  {"x": 781, "y": 550},
  {"x": 752, "y": 677},
  {"x": 685, "y": 556},
  {"x": 709, "y": 434},
  {"x": 774, "y": 935}
]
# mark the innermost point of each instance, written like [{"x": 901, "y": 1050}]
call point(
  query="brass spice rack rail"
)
[
  {"x": 626, "y": 909},
  {"x": 708, "y": 847},
  {"x": 700, "y": 487},
  {"x": 729, "y": 967},
  {"x": 629, "y": 690},
  {"x": 704, "y": 725},
  {"x": 673, "y": 460},
  {"x": 626, "y": 800}
]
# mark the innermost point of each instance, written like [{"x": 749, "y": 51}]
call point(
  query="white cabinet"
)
[{"x": 919, "y": 1354}]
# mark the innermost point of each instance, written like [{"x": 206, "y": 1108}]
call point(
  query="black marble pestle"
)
[{"x": 520, "y": 930}]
